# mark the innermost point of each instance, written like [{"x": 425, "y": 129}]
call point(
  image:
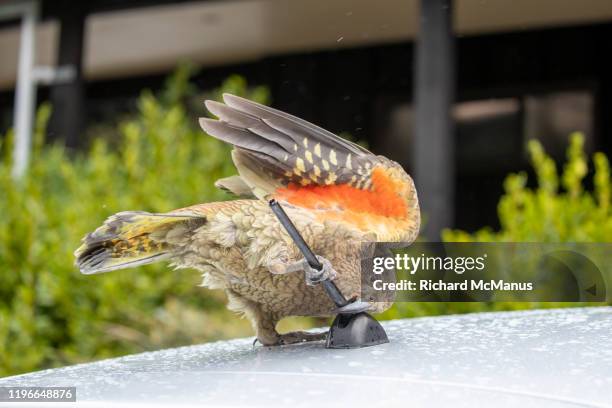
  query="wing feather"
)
[
  {"x": 284, "y": 150},
  {"x": 283, "y": 156},
  {"x": 284, "y": 120}
]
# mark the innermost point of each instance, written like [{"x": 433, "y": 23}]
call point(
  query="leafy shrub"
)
[
  {"x": 549, "y": 213},
  {"x": 544, "y": 214},
  {"x": 159, "y": 160}
]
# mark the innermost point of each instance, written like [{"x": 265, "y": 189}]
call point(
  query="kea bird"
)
[{"x": 338, "y": 194}]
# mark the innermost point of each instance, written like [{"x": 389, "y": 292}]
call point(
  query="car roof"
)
[{"x": 543, "y": 358}]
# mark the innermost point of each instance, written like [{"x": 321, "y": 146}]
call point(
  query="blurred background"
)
[{"x": 501, "y": 111}]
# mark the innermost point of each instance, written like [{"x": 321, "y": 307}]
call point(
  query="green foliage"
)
[
  {"x": 544, "y": 214},
  {"x": 160, "y": 160},
  {"x": 560, "y": 209}
]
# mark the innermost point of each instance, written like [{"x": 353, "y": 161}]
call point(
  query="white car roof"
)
[{"x": 543, "y": 358}]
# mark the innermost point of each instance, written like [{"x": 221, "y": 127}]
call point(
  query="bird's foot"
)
[
  {"x": 311, "y": 275},
  {"x": 300, "y": 337}
]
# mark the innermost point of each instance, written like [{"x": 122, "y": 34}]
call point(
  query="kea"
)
[{"x": 338, "y": 194}]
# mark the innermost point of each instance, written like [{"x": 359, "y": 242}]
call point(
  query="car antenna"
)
[{"x": 352, "y": 327}]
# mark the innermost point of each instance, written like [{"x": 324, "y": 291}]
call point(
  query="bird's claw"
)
[
  {"x": 300, "y": 337},
  {"x": 312, "y": 275},
  {"x": 292, "y": 338}
]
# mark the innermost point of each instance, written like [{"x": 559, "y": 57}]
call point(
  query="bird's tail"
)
[{"x": 134, "y": 238}]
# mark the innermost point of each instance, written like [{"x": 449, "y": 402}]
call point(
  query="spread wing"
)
[
  {"x": 274, "y": 149},
  {"x": 282, "y": 156}
]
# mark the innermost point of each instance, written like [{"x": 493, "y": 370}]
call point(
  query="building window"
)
[{"x": 552, "y": 117}]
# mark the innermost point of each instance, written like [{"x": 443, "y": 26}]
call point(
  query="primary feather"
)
[{"x": 287, "y": 148}]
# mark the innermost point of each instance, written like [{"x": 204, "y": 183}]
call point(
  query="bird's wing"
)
[
  {"x": 281, "y": 156},
  {"x": 283, "y": 149}
]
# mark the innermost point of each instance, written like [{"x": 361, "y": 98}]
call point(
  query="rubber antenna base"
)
[{"x": 355, "y": 331}]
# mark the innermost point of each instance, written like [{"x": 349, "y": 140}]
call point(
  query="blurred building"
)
[{"x": 514, "y": 70}]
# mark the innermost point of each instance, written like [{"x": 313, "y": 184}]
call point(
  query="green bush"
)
[
  {"x": 549, "y": 213},
  {"x": 544, "y": 214},
  {"x": 157, "y": 160}
]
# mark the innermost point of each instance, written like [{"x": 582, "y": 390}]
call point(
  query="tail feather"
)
[{"x": 133, "y": 238}]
